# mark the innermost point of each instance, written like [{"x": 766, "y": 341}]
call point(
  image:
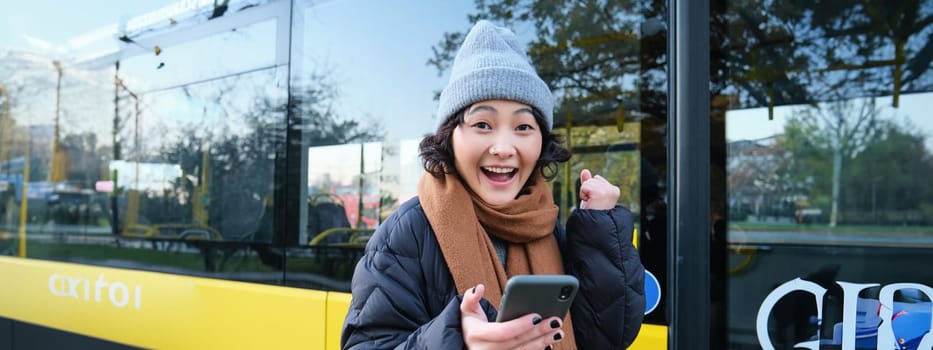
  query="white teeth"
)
[{"x": 498, "y": 170}]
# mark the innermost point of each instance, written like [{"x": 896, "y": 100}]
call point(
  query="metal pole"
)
[
  {"x": 359, "y": 199},
  {"x": 689, "y": 175},
  {"x": 55, "y": 171},
  {"x": 24, "y": 202},
  {"x": 114, "y": 210},
  {"x": 6, "y": 123}
]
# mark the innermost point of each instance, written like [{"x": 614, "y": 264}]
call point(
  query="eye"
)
[
  {"x": 525, "y": 127},
  {"x": 482, "y": 125}
]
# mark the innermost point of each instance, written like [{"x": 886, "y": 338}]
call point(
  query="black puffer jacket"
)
[{"x": 404, "y": 296}]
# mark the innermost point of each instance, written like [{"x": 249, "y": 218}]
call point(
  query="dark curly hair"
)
[{"x": 437, "y": 151}]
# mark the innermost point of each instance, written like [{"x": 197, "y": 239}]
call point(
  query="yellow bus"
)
[{"x": 206, "y": 174}]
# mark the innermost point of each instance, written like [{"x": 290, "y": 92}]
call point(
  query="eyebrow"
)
[{"x": 480, "y": 108}]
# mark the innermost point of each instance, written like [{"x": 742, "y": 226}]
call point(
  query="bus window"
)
[
  {"x": 828, "y": 147},
  {"x": 137, "y": 167}
]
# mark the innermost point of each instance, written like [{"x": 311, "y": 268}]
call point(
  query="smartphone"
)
[{"x": 547, "y": 295}]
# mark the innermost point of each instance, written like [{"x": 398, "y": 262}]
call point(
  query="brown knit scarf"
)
[{"x": 461, "y": 222}]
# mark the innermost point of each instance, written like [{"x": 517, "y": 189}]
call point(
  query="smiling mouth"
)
[{"x": 499, "y": 174}]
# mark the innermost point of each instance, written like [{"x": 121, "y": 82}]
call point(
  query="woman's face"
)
[{"x": 496, "y": 149}]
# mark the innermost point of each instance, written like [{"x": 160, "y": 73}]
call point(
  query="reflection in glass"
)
[
  {"x": 253, "y": 45},
  {"x": 343, "y": 187},
  {"x": 149, "y": 180},
  {"x": 214, "y": 133},
  {"x": 829, "y": 147}
]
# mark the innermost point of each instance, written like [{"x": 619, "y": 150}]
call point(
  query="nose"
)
[{"x": 503, "y": 147}]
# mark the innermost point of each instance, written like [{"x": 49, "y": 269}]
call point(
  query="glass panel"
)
[
  {"x": 366, "y": 100},
  {"x": 121, "y": 169},
  {"x": 252, "y": 45},
  {"x": 828, "y": 158}
]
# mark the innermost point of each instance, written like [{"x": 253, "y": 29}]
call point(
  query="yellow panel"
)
[
  {"x": 154, "y": 310},
  {"x": 338, "y": 304},
  {"x": 635, "y": 238},
  {"x": 651, "y": 337}
]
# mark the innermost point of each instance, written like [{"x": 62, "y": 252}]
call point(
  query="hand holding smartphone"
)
[{"x": 547, "y": 295}]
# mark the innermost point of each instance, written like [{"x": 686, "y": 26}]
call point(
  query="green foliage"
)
[
  {"x": 783, "y": 53},
  {"x": 888, "y": 181},
  {"x": 884, "y": 183}
]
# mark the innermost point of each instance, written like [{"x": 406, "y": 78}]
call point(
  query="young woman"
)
[{"x": 434, "y": 272}]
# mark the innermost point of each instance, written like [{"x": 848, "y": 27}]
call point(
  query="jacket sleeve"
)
[
  {"x": 389, "y": 308},
  {"x": 610, "y": 305}
]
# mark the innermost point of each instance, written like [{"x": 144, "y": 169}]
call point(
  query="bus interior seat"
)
[{"x": 326, "y": 215}]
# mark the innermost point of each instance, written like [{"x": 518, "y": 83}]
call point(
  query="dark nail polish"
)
[
  {"x": 547, "y": 348},
  {"x": 555, "y": 324},
  {"x": 474, "y": 290},
  {"x": 536, "y": 320},
  {"x": 557, "y": 336}
]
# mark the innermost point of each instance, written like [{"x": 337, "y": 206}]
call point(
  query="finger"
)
[
  {"x": 585, "y": 175},
  {"x": 508, "y": 334},
  {"x": 542, "y": 331},
  {"x": 470, "y": 304},
  {"x": 545, "y": 334},
  {"x": 542, "y": 342},
  {"x": 599, "y": 193},
  {"x": 524, "y": 328}
]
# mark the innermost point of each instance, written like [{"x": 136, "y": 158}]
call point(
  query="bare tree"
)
[{"x": 843, "y": 127}]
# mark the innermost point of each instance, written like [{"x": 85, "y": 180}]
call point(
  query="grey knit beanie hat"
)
[{"x": 491, "y": 64}]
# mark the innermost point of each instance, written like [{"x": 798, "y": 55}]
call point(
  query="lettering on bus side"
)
[
  {"x": 916, "y": 330},
  {"x": 81, "y": 288}
]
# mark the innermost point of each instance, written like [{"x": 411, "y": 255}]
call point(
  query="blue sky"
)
[
  {"x": 751, "y": 124},
  {"x": 56, "y": 22},
  {"x": 381, "y": 73}
]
